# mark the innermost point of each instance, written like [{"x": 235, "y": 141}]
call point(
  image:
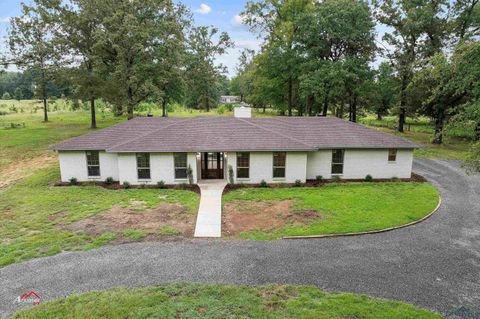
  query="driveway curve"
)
[{"x": 434, "y": 264}]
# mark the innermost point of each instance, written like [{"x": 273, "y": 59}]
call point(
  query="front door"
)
[{"x": 212, "y": 165}]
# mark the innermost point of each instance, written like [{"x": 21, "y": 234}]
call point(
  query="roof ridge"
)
[
  {"x": 143, "y": 135},
  {"x": 278, "y": 133}
]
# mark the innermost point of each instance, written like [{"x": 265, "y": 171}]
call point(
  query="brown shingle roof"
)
[{"x": 233, "y": 134}]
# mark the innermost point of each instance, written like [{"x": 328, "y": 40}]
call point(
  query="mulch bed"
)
[
  {"x": 314, "y": 183},
  {"x": 116, "y": 185}
]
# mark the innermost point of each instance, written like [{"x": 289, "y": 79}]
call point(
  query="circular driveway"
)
[{"x": 434, "y": 264}]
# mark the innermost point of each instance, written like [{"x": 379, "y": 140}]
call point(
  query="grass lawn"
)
[
  {"x": 224, "y": 301},
  {"x": 331, "y": 209},
  {"x": 421, "y": 131},
  {"x": 35, "y": 216}
]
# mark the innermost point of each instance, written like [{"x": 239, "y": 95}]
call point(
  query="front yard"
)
[
  {"x": 272, "y": 213},
  {"x": 39, "y": 219},
  {"x": 223, "y": 301}
]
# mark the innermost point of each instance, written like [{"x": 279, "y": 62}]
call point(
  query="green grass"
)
[
  {"x": 184, "y": 300},
  {"x": 28, "y": 208},
  {"x": 345, "y": 208},
  {"x": 421, "y": 131}
]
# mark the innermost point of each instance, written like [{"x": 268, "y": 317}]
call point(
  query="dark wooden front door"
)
[{"x": 212, "y": 165}]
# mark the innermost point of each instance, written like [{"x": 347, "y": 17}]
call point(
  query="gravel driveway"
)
[{"x": 435, "y": 264}]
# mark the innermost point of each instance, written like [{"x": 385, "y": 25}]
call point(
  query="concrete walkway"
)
[{"x": 209, "y": 218}]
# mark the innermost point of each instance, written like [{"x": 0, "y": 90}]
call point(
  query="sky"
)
[{"x": 223, "y": 14}]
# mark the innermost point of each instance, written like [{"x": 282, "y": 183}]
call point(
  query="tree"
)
[
  {"x": 418, "y": 32},
  {"x": 132, "y": 45},
  {"x": 201, "y": 69},
  {"x": 276, "y": 22},
  {"x": 30, "y": 43},
  {"x": 337, "y": 39},
  {"x": 18, "y": 94},
  {"x": 6, "y": 96},
  {"x": 466, "y": 19},
  {"x": 79, "y": 23},
  {"x": 385, "y": 89}
]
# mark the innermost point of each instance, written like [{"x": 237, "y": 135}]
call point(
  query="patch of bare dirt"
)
[
  {"x": 245, "y": 216},
  {"x": 21, "y": 169},
  {"x": 150, "y": 221}
]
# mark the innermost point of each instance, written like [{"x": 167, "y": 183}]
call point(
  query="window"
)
[
  {"x": 93, "y": 163},
  {"x": 279, "y": 160},
  {"x": 243, "y": 165},
  {"x": 392, "y": 155},
  {"x": 337, "y": 161},
  {"x": 180, "y": 160},
  {"x": 143, "y": 165}
]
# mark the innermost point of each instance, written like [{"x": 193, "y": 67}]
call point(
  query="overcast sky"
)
[{"x": 223, "y": 14}]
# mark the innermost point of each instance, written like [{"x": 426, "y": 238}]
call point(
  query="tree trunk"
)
[
  {"x": 325, "y": 105},
  {"x": 45, "y": 109},
  {"x": 439, "y": 120},
  {"x": 130, "y": 104},
  {"x": 310, "y": 103},
  {"x": 92, "y": 111},
  {"x": 379, "y": 116},
  {"x": 290, "y": 96},
  {"x": 403, "y": 103},
  {"x": 264, "y": 107},
  {"x": 477, "y": 132},
  {"x": 207, "y": 103},
  {"x": 164, "y": 108},
  {"x": 354, "y": 109}
]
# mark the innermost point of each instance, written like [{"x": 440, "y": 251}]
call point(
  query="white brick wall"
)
[
  {"x": 161, "y": 168},
  {"x": 300, "y": 165},
  {"x": 358, "y": 163},
  {"x": 261, "y": 167},
  {"x": 74, "y": 164}
]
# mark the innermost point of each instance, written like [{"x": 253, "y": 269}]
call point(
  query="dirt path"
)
[{"x": 24, "y": 168}]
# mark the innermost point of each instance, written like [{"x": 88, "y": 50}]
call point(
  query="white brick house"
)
[{"x": 277, "y": 150}]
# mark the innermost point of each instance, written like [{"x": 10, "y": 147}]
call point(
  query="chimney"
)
[{"x": 242, "y": 111}]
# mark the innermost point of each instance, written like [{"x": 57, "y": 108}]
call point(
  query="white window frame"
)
[
  {"x": 144, "y": 167},
  {"x": 274, "y": 167},
  {"x": 91, "y": 165},
  {"x": 338, "y": 163}
]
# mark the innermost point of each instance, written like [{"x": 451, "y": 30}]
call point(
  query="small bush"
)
[
  {"x": 161, "y": 184},
  {"x": 336, "y": 178},
  {"x": 395, "y": 179},
  {"x": 230, "y": 175},
  {"x": 298, "y": 183},
  {"x": 73, "y": 181},
  {"x": 319, "y": 178},
  {"x": 190, "y": 174},
  {"x": 368, "y": 178},
  {"x": 221, "y": 109},
  {"x": 143, "y": 186},
  {"x": 109, "y": 180},
  {"x": 126, "y": 185},
  {"x": 182, "y": 186},
  {"x": 263, "y": 183}
]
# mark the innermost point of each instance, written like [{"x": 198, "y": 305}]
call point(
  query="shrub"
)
[
  {"x": 73, "y": 181},
  {"x": 395, "y": 179},
  {"x": 336, "y": 178},
  {"x": 126, "y": 185},
  {"x": 319, "y": 178},
  {"x": 6, "y": 96},
  {"x": 298, "y": 183},
  {"x": 161, "y": 184},
  {"x": 230, "y": 175},
  {"x": 221, "y": 109},
  {"x": 109, "y": 180},
  {"x": 368, "y": 178},
  {"x": 190, "y": 174},
  {"x": 263, "y": 183},
  {"x": 181, "y": 186},
  {"x": 143, "y": 185}
]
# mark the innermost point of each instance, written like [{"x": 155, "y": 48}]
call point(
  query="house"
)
[
  {"x": 229, "y": 99},
  {"x": 278, "y": 149}
]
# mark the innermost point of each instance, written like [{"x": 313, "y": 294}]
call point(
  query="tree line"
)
[
  {"x": 318, "y": 58},
  {"x": 123, "y": 51}
]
